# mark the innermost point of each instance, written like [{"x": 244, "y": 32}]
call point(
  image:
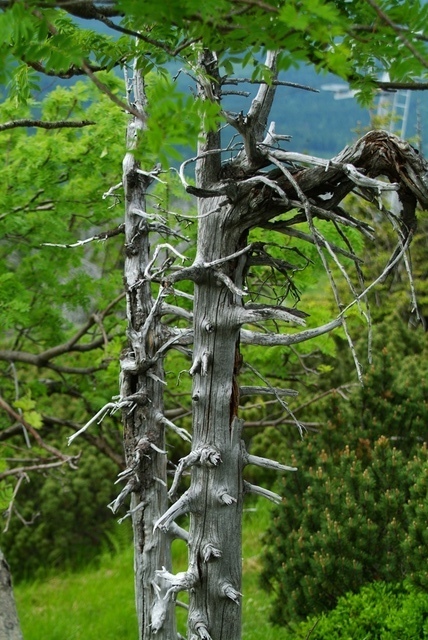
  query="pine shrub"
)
[
  {"x": 356, "y": 510},
  {"x": 379, "y": 611},
  {"x": 61, "y": 519},
  {"x": 344, "y": 526}
]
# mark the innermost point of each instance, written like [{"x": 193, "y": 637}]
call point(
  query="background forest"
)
[{"x": 348, "y": 543}]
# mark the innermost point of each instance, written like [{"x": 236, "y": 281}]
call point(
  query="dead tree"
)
[{"x": 256, "y": 184}]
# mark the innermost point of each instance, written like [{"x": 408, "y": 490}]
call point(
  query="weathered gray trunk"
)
[
  {"x": 142, "y": 393},
  {"x": 216, "y": 491},
  {"x": 9, "y": 624}
]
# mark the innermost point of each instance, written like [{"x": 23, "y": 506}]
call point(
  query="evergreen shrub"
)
[
  {"x": 356, "y": 510},
  {"x": 379, "y": 611},
  {"x": 62, "y": 519},
  {"x": 345, "y": 523}
]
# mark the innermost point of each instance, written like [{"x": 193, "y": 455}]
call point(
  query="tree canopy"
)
[{"x": 356, "y": 40}]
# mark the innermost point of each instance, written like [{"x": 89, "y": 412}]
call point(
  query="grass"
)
[
  {"x": 98, "y": 602},
  {"x": 255, "y": 603},
  {"x": 92, "y": 604}
]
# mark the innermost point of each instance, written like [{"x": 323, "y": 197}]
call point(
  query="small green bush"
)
[
  {"x": 379, "y": 611},
  {"x": 345, "y": 523}
]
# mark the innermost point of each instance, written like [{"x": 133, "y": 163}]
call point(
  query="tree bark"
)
[
  {"x": 9, "y": 623},
  {"x": 217, "y": 492},
  {"x": 142, "y": 394}
]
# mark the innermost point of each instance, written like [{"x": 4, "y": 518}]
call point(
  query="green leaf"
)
[
  {"x": 294, "y": 18},
  {"x": 6, "y": 494},
  {"x": 34, "y": 419},
  {"x": 26, "y": 403},
  {"x": 325, "y": 368}
]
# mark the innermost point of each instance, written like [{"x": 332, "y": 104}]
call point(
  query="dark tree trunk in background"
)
[{"x": 9, "y": 623}]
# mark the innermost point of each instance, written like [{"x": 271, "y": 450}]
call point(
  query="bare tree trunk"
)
[
  {"x": 9, "y": 624},
  {"x": 141, "y": 395},
  {"x": 216, "y": 491}
]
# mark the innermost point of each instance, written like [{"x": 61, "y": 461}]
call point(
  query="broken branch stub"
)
[{"x": 376, "y": 154}]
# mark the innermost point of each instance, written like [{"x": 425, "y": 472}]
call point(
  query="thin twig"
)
[
  {"x": 384, "y": 273},
  {"x": 283, "y": 404},
  {"x": 278, "y": 83},
  {"x": 9, "y": 510},
  {"x": 104, "y": 235},
  {"x": 319, "y": 243},
  {"x": 59, "y": 124},
  {"x": 37, "y": 437},
  {"x": 113, "y": 97}
]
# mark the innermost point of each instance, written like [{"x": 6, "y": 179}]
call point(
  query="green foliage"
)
[
  {"x": 394, "y": 399},
  {"x": 52, "y": 204},
  {"x": 355, "y": 512},
  {"x": 342, "y": 525},
  {"x": 319, "y": 32},
  {"x": 66, "y": 516},
  {"x": 175, "y": 120},
  {"x": 27, "y": 405},
  {"x": 415, "y": 541},
  {"x": 23, "y": 84},
  {"x": 48, "y": 294},
  {"x": 379, "y": 611},
  {"x": 6, "y": 492}
]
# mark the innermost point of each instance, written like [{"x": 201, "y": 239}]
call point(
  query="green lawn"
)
[
  {"x": 98, "y": 603},
  {"x": 88, "y": 605}
]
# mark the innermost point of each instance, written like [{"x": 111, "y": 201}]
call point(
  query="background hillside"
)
[
  {"x": 322, "y": 125},
  {"x": 319, "y": 123}
]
